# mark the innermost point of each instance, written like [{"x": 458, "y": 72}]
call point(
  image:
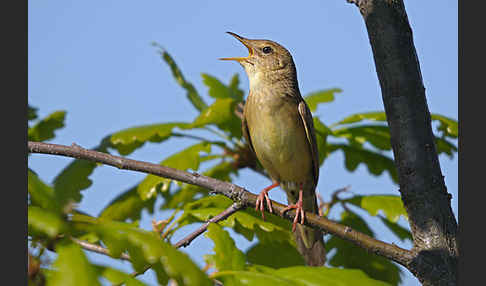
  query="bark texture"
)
[{"x": 422, "y": 187}]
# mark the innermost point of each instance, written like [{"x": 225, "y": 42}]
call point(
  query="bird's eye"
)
[{"x": 267, "y": 50}]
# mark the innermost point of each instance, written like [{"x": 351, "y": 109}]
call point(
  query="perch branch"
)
[{"x": 238, "y": 194}]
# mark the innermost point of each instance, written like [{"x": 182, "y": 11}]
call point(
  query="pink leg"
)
[
  {"x": 299, "y": 211},
  {"x": 264, "y": 196}
]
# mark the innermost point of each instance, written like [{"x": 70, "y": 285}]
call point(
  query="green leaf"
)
[
  {"x": 128, "y": 140},
  {"x": 218, "y": 201},
  {"x": 374, "y": 116},
  {"x": 397, "y": 229},
  {"x": 40, "y": 193},
  {"x": 234, "y": 87},
  {"x": 326, "y": 276},
  {"x": 226, "y": 255},
  {"x": 74, "y": 178},
  {"x": 89, "y": 237},
  {"x": 180, "y": 267},
  {"x": 301, "y": 275},
  {"x": 351, "y": 256},
  {"x": 192, "y": 93},
  {"x": 444, "y": 146},
  {"x": 44, "y": 129},
  {"x": 42, "y": 221},
  {"x": 275, "y": 254},
  {"x": 448, "y": 126},
  {"x": 162, "y": 277},
  {"x": 143, "y": 247},
  {"x": 251, "y": 278},
  {"x": 188, "y": 158},
  {"x": 216, "y": 88},
  {"x": 376, "y": 135},
  {"x": 187, "y": 193},
  {"x": 118, "y": 277},
  {"x": 146, "y": 248},
  {"x": 73, "y": 268},
  {"x": 322, "y": 131},
  {"x": 128, "y": 205},
  {"x": 220, "y": 113},
  {"x": 323, "y": 96},
  {"x": 260, "y": 268},
  {"x": 390, "y": 205},
  {"x": 376, "y": 163},
  {"x": 320, "y": 127},
  {"x": 180, "y": 196},
  {"x": 379, "y": 137},
  {"x": 221, "y": 171},
  {"x": 31, "y": 113}
]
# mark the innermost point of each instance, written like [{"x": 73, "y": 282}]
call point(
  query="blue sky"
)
[{"x": 95, "y": 60}]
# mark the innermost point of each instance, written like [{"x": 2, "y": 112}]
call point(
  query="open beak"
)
[{"x": 245, "y": 42}]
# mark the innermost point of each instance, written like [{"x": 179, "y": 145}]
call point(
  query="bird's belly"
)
[{"x": 280, "y": 143}]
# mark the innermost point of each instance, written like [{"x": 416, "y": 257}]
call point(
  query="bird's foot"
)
[
  {"x": 299, "y": 211},
  {"x": 263, "y": 196}
]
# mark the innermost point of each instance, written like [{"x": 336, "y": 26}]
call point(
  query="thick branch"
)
[
  {"x": 424, "y": 194},
  {"x": 238, "y": 194}
]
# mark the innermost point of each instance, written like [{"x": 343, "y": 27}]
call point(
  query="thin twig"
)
[
  {"x": 328, "y": 205},
  {"x": 222, "y": 216},
  {"x": 239, "y": 110},
  {"x": 232, "y": 191},
  {"x": 97, "y": 248},
  {"x": 184, "y": 242},
  {"x": 189, "y": 238}
]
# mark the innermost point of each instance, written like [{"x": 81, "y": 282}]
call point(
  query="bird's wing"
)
[{"x": 306, "y": 117}]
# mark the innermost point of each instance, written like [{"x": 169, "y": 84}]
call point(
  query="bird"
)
[{"x": 278, "y": 127}]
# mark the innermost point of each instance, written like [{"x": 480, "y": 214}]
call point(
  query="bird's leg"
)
[
  {"x": 264, "y": 196},
  {"x": 299, "y": 210}
]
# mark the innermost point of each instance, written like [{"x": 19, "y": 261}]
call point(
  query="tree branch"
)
[
  {"x": 222, "y": 216},
  {"x": 422, "y": 187},
  {"x": 97, "y": 248},
  {"x": 238, "y": 194},
  {"x": 189, "y": 238}
]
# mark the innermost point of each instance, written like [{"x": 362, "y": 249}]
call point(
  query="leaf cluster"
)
[{"x": 219, "y": 151}]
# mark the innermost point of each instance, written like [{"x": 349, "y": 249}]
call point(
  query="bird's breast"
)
[{"x": 278, "y": 136}]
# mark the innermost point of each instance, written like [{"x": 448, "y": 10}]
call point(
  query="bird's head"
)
[{"x": 266, "y": 59}]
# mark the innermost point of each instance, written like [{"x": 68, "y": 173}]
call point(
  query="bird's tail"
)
[{"x": 310, "y": 242}]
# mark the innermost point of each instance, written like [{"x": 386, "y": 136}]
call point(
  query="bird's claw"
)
[
  {"x": 263, "y": 196},
  {"x": 299, "y": 212},
  {"x": 259, "y": 205}
]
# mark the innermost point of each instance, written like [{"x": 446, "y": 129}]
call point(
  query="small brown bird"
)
[{"x": 278, "y": 127}]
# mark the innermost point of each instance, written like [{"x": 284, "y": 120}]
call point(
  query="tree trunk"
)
[{"x": 422, "y": 187}]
